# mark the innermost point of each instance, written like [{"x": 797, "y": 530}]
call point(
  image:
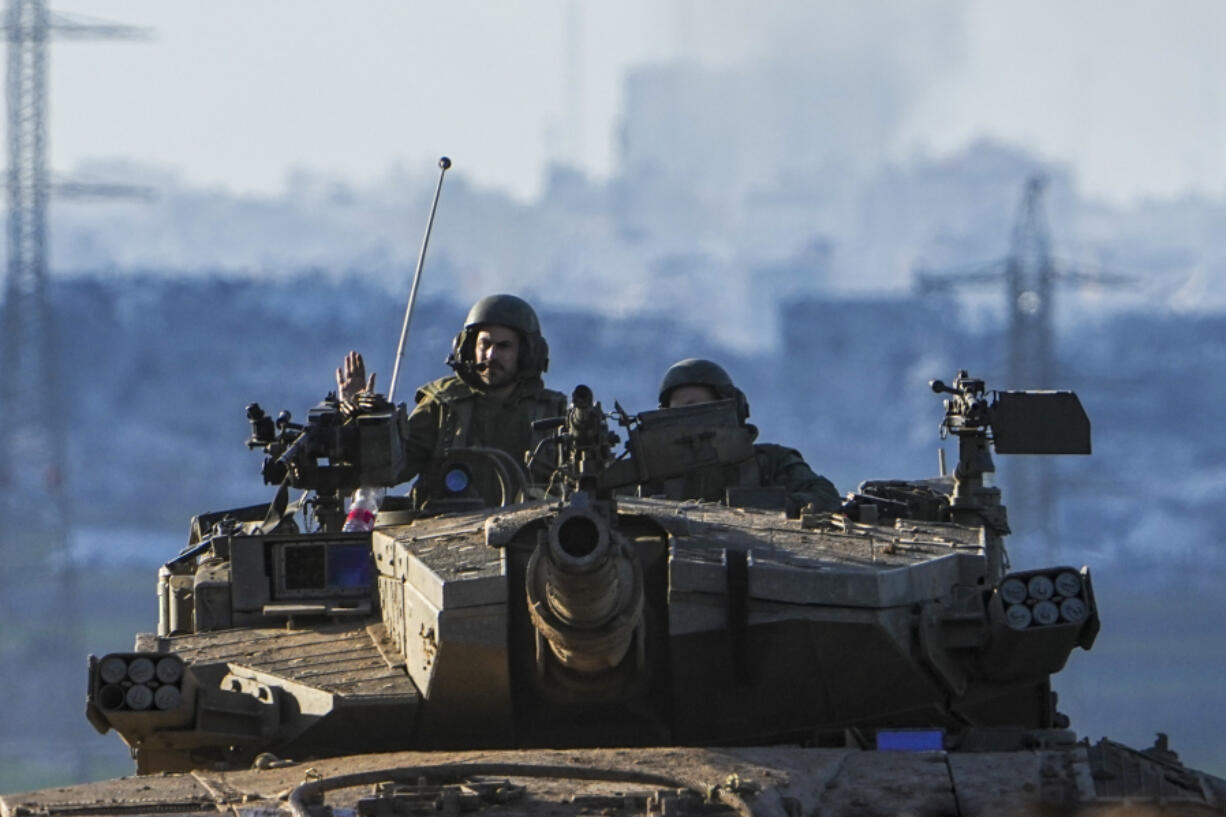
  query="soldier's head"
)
[
  {"x": 501, "y": 342},
  {"x": 695, "y": 380}
]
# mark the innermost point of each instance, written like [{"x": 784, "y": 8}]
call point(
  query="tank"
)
[{"x": 598, "y": 646}]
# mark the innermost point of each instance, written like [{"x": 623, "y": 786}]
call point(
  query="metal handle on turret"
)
[{"x": 443, "y": 164}]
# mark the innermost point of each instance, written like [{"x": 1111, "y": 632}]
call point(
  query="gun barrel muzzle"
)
[
  {"x": 581, "y": 578},
  {"x": 585, "y": 591}
]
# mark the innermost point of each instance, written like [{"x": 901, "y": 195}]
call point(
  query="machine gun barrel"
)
[
  {"x": 292, "y": 450},
  {"x": 1014, "y": 422}
]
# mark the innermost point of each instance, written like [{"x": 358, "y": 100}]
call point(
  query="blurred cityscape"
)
[{"x": 736, "y": 225}]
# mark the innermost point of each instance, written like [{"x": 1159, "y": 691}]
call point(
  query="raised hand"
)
[{"x": 351, "y": 377}]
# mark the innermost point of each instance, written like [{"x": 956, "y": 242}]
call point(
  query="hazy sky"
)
[{"x": 236, "y": 93}]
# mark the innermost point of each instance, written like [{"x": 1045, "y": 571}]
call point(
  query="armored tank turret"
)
[{"x": 589, "y": 646}]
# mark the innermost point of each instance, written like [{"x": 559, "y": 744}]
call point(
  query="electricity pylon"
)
[
  {"x": 40, "y": 656},
  {"x": 1030, "y": 274}
]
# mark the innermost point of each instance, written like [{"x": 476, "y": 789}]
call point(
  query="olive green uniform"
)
[
  {"x": 451, "y": 413},
  {"x": 783, "y": 467},
  {"x": 772, "y": 466}
]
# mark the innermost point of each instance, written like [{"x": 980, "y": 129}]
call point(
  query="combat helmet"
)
[
  {"x": 694, "y": 371},
  {"x": 502, "y": 310}
]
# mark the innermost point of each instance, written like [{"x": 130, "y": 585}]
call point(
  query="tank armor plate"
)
[{"x": 350, "y": 660}]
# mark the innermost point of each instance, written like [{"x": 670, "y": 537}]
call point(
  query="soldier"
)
[
  {"x": 489, "y": 402},
  {"x": 694, "y": 380}
]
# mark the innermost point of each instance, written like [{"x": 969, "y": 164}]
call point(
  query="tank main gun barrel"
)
[
  {"x": 581, "y": 577},
  {"x": 585, "y": 591}
]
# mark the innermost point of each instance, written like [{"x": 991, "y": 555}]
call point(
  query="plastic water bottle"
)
[{"x": 363, "y": 507}]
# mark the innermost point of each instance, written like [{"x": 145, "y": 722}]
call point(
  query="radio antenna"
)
[{"x": 443, "y": 164}]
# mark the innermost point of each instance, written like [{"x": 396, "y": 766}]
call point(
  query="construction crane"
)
[
  {"x": 38, "y": 585},
  {"x": 1030, "y": 274}
]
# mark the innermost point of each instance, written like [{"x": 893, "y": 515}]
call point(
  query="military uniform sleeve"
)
[
  {"x": 785, "y": 468},
  {"x": 424, "y": 422}
]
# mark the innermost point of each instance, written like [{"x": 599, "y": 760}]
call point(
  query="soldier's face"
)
[
  {"x": 497, "y": 352},
  {"x": 691, "y": 395}
]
